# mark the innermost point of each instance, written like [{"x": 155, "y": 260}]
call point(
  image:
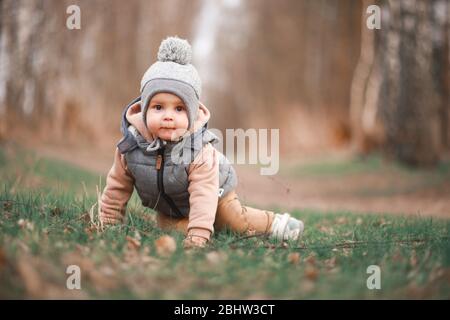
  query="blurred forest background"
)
[{"x": 311, "y": 68}]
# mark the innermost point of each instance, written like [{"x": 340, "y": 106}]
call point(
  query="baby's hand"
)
[
  {"x": 109, "y": 219},
  {"x": 192, "y": 241}
]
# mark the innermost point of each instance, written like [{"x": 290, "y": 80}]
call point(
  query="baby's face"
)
[{"x": 167, "y": 116}]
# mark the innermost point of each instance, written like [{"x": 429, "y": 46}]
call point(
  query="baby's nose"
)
[{"x": 168, "y": 116}]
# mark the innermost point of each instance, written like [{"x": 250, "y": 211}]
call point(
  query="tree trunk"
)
[
  {"x": 400, "y": 87},
  {"x": 366, "y": 130}
]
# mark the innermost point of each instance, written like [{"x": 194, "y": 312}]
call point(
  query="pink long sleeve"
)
[
  {"x": 203, "y": 189},
  {"x": 118, "y": 190}
]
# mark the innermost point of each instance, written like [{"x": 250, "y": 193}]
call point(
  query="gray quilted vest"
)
[{"x": 161, "y": 172}]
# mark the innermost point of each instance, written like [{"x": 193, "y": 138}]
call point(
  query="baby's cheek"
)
[
  {"x": 151, "y": 118},
  {"x": 184, "y": 122}
]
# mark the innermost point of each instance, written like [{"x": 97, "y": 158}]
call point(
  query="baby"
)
[{"x": 167, "y": 154}]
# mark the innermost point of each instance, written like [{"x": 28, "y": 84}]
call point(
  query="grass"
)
[
  {"x": 45, "y": 227},
  {"x": 388, "y": 178},
  {"x": 371, "y": 164}
]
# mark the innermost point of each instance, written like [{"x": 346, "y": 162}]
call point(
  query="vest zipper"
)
[{"x": 160, "y": 181}]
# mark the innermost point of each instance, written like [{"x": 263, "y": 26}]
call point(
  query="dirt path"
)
[
  {"x": 379, "y": 192},
  {"x": 365, "y": 193}
]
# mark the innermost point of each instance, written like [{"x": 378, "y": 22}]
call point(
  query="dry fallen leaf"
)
[
  {"x": 330, "y": 263},
  {"x": 311, "y": 259},
  {"x": 133, "y": 243},
  {"x": 25, "y": 224},
  {"x": 7, "y": 205},
  {"x": 327, "y": 230},
  {"x": 342, "y": 220},
  {"x": 67, "y": 230},
  {"x": 346, "y": 252},
  {"x": 215, "y": 257},
  {"x": 56, "y": 211},
  {"x": 294, "y": 257},
  {"x": 311, "y": 272},
  {"x": 165, "y": 245}
]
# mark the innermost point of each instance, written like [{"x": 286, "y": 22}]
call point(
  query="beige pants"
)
[{"x": 230, "y": 214}]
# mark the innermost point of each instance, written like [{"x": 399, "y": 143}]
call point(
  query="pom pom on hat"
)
[{"x": 176, "y": 50}]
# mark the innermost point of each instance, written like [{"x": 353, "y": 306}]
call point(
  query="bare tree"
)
[{"x": 401, "y": 83}]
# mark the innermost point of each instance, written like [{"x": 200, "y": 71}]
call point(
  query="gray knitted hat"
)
[{"x": 173, "y": 73}]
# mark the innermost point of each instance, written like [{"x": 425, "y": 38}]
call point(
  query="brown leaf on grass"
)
[
  {"x": 330, "y": 263},
  {"x": 25, "y": 224},
  {"x": 165, "y": 245},
  {"x": 311, "y": 272},
  {"x": 67, "y": 230},
  {"x": 342, "y": 220},
  {"x": 327, "y": 230},
  {"x": 56, "y": 211},
  {"x": 133, "y": 243},
  {"x": 215, "y": 257},
  {"x": 346, "y": 252},
  {"x": 382, "y": 222},
  {"x": 85, "y": 217},
  {"x": 90, "y": 230},
  {"x": 311, "y": 260},
  {"x": 294, "y": 258},
  {"x": 7, "y": 205},
  {"x": 140, "y": 258}
]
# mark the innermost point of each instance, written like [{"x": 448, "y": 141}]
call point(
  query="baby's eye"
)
[
  {"x": 179, "y": 108},
  {"x": 157, "y": 107}
]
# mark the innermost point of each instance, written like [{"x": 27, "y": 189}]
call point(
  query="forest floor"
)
[{"x": 47, "y": 226}]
